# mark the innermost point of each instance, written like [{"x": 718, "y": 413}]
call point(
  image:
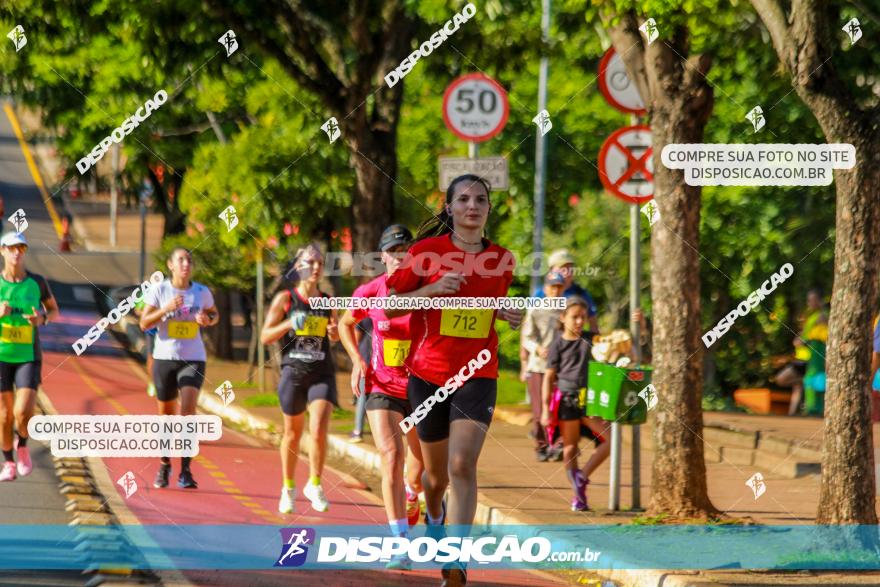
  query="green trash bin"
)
[{"x": 613, "y": 393}]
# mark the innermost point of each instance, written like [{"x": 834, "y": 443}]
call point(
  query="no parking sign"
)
[{"x": 626, "y": 168}]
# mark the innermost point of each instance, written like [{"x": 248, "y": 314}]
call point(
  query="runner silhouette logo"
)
[{"x": 294, "y": 546}]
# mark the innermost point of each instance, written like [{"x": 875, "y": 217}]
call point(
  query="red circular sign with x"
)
[{"x": 626, "y": 167}]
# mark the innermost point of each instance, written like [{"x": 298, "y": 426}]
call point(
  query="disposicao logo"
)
[
  {"x": 294, "y": 546},
  {"x": 125, "y": 129}
]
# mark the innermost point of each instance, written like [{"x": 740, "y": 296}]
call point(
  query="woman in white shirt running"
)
[{"x": 180, "y": 308}]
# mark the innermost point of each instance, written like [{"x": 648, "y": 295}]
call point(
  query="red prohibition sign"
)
[{"x": 634, "y": 165}]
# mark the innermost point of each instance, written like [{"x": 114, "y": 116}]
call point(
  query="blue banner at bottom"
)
[{"x": 548, "y": 547}]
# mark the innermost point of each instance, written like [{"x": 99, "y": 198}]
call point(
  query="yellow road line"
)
[
  {"x": 88, "y": 381},
  {"x": 35, "y": 173},
  {"x": 139, "y": 371},
  {"x": 228, "y": 486}
]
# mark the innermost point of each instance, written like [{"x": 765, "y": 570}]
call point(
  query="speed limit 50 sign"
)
[{"x": 475, "y": 107}]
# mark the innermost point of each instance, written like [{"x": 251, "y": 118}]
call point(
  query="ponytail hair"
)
[{"x": 441, "y": 223}]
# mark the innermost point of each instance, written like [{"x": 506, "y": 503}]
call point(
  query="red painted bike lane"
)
[{"x": 238, "y": 477}]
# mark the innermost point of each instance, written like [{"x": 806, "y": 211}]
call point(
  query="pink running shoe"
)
[
  {"x": 8, "y": 471},
  {"x": 25, "y": 466}
]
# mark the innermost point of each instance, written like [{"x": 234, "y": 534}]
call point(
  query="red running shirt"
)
[
  {"x": 443, "y": 341},
  {"x": 390, "y": 342}
]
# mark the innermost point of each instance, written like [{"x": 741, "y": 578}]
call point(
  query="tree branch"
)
[
  {"x": 627, "y": 42},
  {"x": 773, "y": 15}
]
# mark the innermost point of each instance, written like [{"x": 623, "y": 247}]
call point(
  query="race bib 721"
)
[{"x": 177, "y": 329}]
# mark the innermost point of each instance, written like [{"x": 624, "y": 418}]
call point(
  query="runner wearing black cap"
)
[
  {"x": 385, "y": 382},
  {"x": 26, "y": 303}
]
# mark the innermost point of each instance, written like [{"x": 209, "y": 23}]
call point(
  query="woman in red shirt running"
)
[
  {"x": 385, "y": 381},
  {"x": 455, "y": 350}
]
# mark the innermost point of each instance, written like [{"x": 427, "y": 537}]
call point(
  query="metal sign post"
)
[{"x": 626, "y": 170}]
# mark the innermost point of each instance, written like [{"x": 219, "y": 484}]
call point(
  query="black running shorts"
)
[
  {"x": 571, "y": 406},
  {"x": 475, "y": 400},
  {"x": 170, "y": 375},
  {"x": 380, "y": 401},
  {"x": 297, "y": 390},
  {"x": 20, "y": 375}
]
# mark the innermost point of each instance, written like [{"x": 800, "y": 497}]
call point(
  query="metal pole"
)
[
  {"x": 143, "y": 211},
  {"x": 540, "y": 150},
  {"x": 635, "y": 272},
  {"x": 614, "y": 481},
  {"x": 473, "y": 150},
  {"x": 114, "y": 192},
  {"x": 635, "y": 275},
  {"x": 260, "y": 347}
]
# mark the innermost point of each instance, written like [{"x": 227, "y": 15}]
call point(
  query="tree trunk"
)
[
  {"x": 804, "y": 44},
  {"x": 374, "y": 158},
  {"x": 679, "y": 101},
  {"x": 848, "y": 485},
  {"x": 221, "y": 334},
  {"x": 174, "y": 219}
]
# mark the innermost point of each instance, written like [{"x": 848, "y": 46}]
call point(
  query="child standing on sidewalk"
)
[
  {"x": 567, "y": 368},
  {"x": 539, "y": 329}
]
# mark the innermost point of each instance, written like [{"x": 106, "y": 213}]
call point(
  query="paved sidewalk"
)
[{"x": 515, "y": 488}]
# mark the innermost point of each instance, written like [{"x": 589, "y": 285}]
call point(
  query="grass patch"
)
[
  {"x": 261, "y": 400},
  {"x": 666, "y": 519},
  {"x": 650, "y": 520},
  {"x": 511, "y": 390},
  {"x": 341, "y": 414}
]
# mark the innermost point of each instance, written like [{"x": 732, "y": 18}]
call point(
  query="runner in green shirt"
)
[{"x": 26, "y": 303}]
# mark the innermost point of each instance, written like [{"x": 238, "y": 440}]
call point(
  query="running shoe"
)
[
  {"x": 399, "y": 562},
  {"x": 8, "y": 471},
  {"x": 579, "y": 506},
  {"x": 541, "y": 455},
  {"x": 186, "y": 481},
  {"x": 162, "y": 476},
  {"x": 554, "y": 454},
  {"x": 355, "y": 437},
  {"x": 442, "y": 520},
  {"x": 151, "y": 390},
  {"x": 315, "y": 494},
  {"x": 453, "y": 576},
  {"x": 287, "y": 503},
  {"x": 413, "y": 508},
  {"x": 25, "y": 466}
]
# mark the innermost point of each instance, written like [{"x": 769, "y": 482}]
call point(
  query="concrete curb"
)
[{"x": 93, "y": 503}]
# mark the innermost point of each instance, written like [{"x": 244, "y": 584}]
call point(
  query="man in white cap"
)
[
  {"x": 561, "y": 260},
  {"x": 26, "y": 303}
]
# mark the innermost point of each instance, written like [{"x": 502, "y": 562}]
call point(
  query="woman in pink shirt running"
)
[{"x": 386, "y": 381}]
